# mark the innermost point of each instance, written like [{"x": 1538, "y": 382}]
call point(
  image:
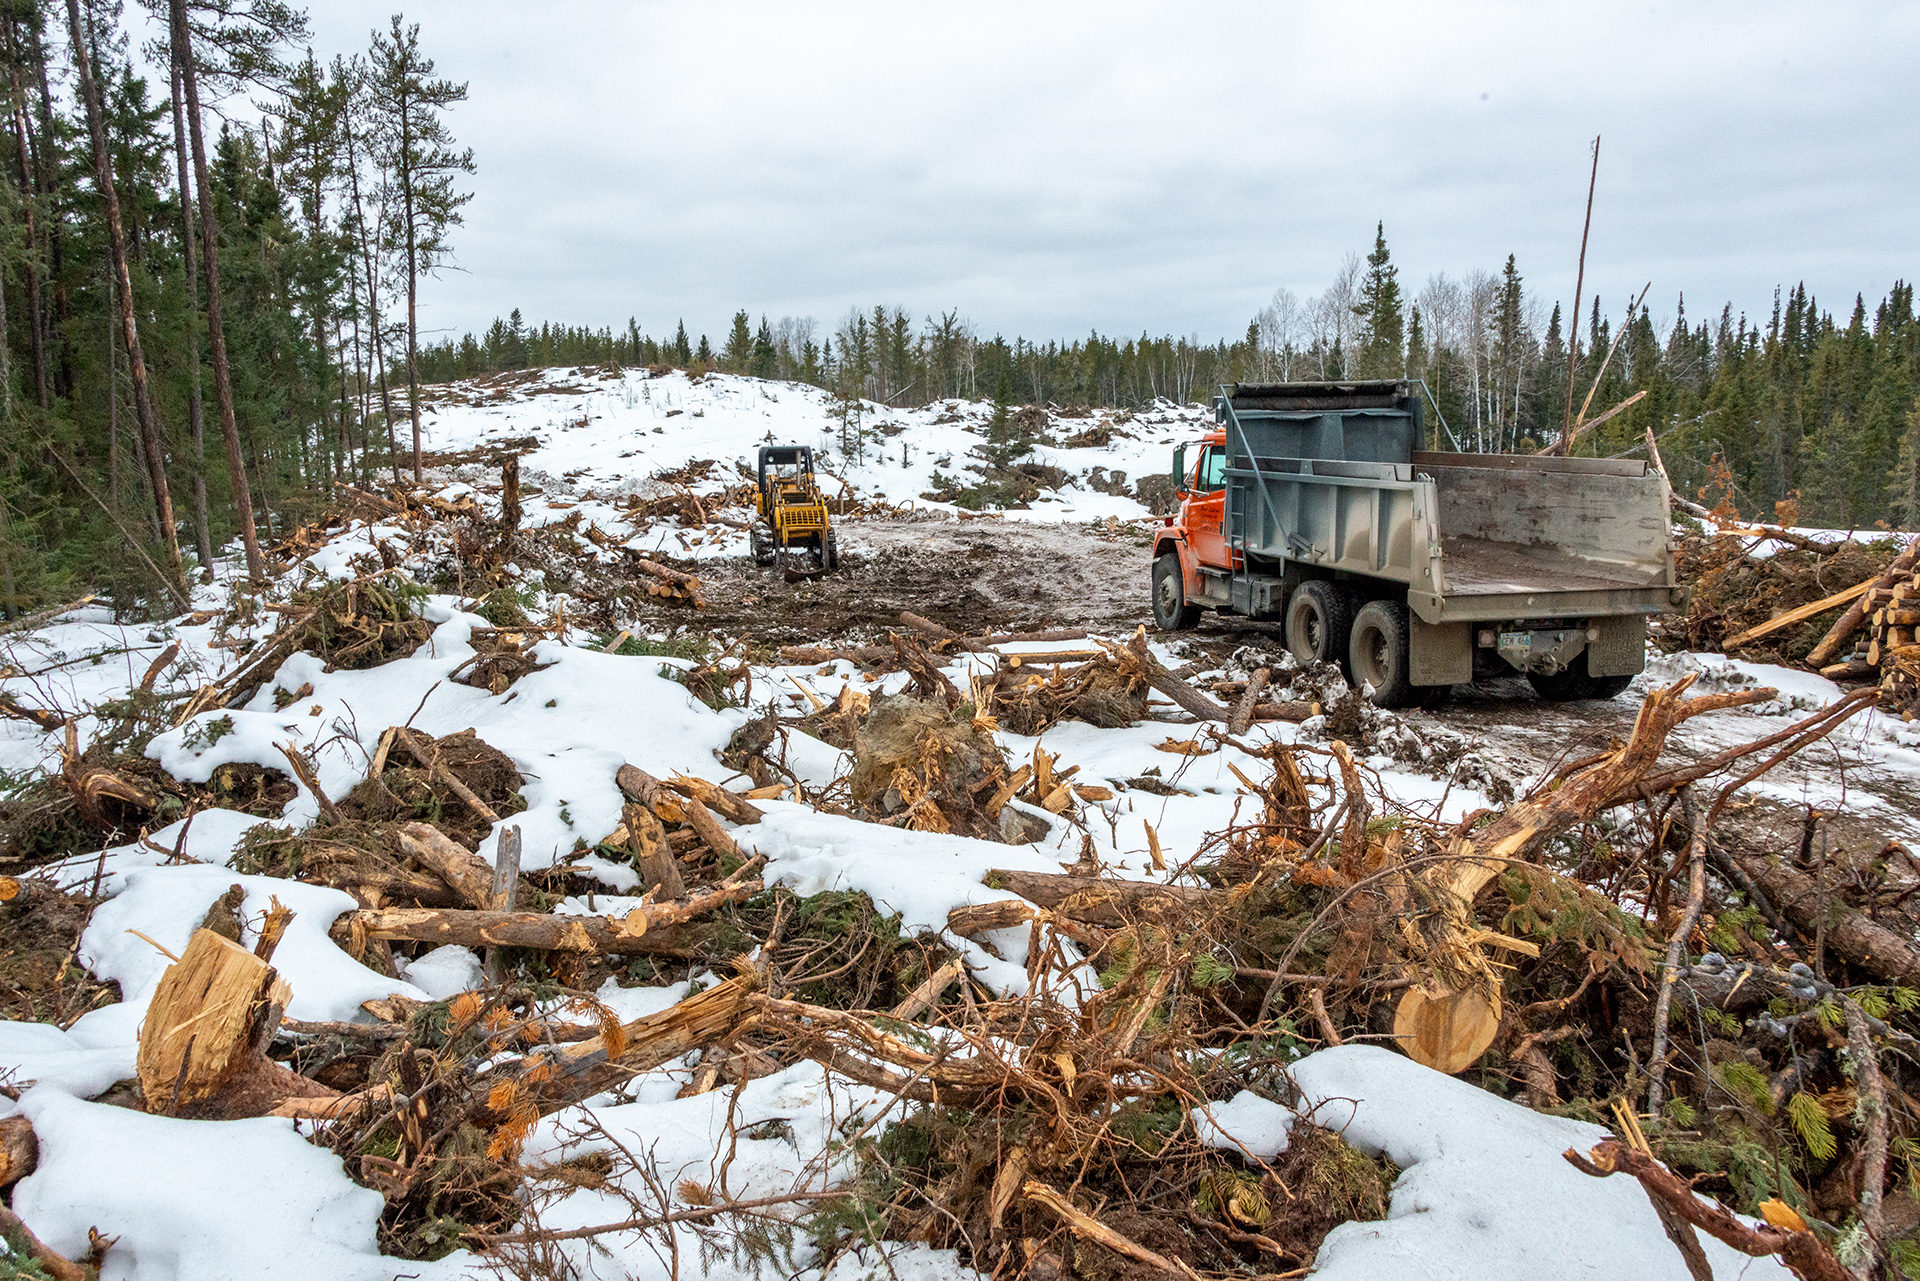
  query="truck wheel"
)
[
  {"x": 1171, "y": 613},
  {"x": 1377, "y": 653},
  {"x": 1319, "y": 619},
  {"x": 1609, "y": 686},
  {"x": 760, "y": 543},
  {"x": 833, "y": 552},
  {"x": 1568, "y": 685}
]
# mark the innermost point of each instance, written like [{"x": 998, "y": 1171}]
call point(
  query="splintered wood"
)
[{"x": 208, "y": 1022}]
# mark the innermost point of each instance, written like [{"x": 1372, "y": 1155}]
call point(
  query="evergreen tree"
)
[
  {"x": 738, "y": 353},
  {"x": 1381, "y": 352},
  {"x": 418, "y": 151},
  {"x": 763, "y": 361}
]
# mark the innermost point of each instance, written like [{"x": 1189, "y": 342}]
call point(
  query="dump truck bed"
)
[{"x": 1332, "y": 478}]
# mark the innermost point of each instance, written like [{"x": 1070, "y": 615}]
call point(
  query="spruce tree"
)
[
  {"x": 763, "y": 362},
  {"x": 737, "y": 355},
  {"x": 1381, "y": 352}
]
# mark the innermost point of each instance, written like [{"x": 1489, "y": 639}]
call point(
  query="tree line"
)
[
  {"x": 1799, "y": 412},
  {"x": 208, "y": 286}
]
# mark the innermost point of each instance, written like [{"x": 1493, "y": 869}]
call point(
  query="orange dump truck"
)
[{"x": 1415, "y": 570}]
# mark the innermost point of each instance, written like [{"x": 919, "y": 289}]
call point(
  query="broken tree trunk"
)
[
  {"x": 659, "y": 870},
  {"x": 1452, "y": 1019},
  {"x": 203, "y": 1042},
  {"x": 642, "y": 931},
  {"x": 1136, "y": 655},
  {"x": 587, "y": 1067},
  {"x": 467, "y": 874},
  {"x": 1242, "y": 717}
]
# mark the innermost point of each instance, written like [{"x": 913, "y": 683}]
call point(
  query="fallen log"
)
[
  {"x": 819, "y": 655},
  {"x": 683, "y": 585},
  {"x": 1829, "y": 645},
  {"x": 977, "y": 918},
  {"x": 1110, "y": 904},
  {"x": 1886, "y": 954},
  {"x": 465, "y": 873},
  {"x": 701, "y": 820},
  {"x": 1185, "y": 696},
  {"x": 1242, "y": 717},
  {"x": 729, "y": 805},
  {"x": 585, "y": 1068},
  {"x": 638, "y": 933},
  {"x": 659, "y": 869}
]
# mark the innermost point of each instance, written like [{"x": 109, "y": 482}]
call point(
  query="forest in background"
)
[
  {"x": 181, "y": 371},
  {"x": 1801, "y": 416},
  {"x": 210, "y": 283}
]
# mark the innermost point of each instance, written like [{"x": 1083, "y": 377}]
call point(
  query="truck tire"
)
[
  {"x": 1377, "y": 653},
  {"x": 1171, "y": 613},
  {"x": 1319, "y": 619},
  {"x": 1573, "y": 684}
]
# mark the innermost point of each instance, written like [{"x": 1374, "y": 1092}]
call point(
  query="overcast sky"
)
[{"x": 1051, "y": 168}]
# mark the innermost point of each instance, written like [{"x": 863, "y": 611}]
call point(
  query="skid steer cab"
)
[
  {"x": 793, "y": 529},
  {"x": 1317, "y": 506}
]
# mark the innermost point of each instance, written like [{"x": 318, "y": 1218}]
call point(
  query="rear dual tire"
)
[{"x": 1572, "y": 684}]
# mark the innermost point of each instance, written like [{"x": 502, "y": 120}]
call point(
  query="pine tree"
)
[
  {"x": 419, "y": 152},
  {"x": 1381, "y": 352},
  {"x": 682, "y": 350}
]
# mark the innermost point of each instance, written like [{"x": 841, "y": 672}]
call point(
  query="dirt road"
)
[{"x": 987, "y": 574}]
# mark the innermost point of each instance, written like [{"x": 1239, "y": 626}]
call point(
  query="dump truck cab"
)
[
  {"x": 792, "y": 511},
  {"x": 1317, "y": 505}
]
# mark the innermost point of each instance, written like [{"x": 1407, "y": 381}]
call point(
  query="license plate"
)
[{"x": 1516, "y": 640}]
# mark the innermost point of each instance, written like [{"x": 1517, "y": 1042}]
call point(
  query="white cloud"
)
[{"x": 1050, "y": 168}]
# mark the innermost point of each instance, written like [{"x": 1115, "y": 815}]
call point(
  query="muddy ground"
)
[{"x": 988, "y": 574}]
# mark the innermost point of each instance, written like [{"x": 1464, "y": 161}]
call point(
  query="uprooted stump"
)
[{"x": 920, "y": 766}]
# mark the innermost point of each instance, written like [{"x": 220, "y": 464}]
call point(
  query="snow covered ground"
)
[{"x": 1484, "y": 1194}]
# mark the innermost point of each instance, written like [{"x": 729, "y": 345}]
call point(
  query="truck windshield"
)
[{"x": 1213, "y": 469}]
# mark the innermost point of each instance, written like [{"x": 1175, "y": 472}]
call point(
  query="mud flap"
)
[
  {"x": 1621, "y": 649},
  {"x": 1439, "y": 653}
]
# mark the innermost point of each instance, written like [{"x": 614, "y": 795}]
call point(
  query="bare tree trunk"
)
[
  {"x": 216, "y": 331},
  {"x": 373, "y": 308},
  {"x": 33, "y": 240},
  {"x": 44, "y": 168},
  {"x": 196, "y": 417},
  {"x": 413, "y": 277},
  {"x": 117, "y": 246}
]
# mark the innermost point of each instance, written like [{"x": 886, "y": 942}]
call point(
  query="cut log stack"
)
[
  {"x": 1888, "y": 650},
  {"x": 665, "y": 583}
]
